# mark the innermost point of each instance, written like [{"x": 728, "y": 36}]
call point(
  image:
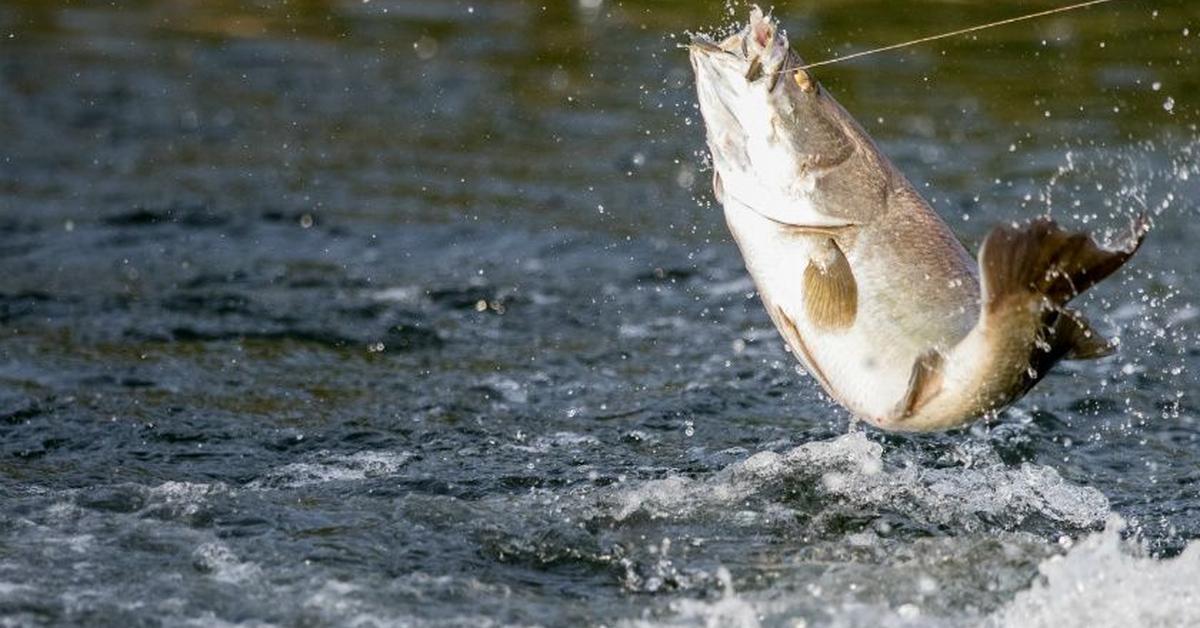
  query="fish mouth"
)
[
  {"x": 759, "y": 39},
  {"x": 703, "y": 45},
  {"x": 727, "y": 71},
  {"x": 720, "y": 84},
  {"x": 731, "y": 69},
  {"x": 759, "y": 50},
  {"x": 724, "y": 57}
]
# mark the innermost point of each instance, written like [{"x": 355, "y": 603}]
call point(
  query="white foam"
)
[
  {"x": 328, "y": 467},
  {"x": 558, "y": 440},
  {"x": 224, "y": 565},
  {"x": 510, "y": 389},
  {"x": 852, "y": 470},
  {"x": 1104, "y": 581},
  {"x": 730, "y": 611},
  {"x": 345, "y": 604},
  {"x": 185, "y": 492}
]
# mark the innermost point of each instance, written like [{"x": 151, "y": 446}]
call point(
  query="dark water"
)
[{"x": 417, "y": 313}]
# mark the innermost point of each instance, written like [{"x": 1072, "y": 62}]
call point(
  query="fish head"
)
[{"x": 771, "y": 128}]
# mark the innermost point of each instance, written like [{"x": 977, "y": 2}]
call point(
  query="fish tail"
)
[{"x": 1042, "y": 262}]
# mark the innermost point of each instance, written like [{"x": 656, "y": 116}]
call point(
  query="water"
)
[{"x": 416, "y": 313}]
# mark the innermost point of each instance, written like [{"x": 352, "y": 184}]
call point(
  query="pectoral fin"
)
[
  {"x": 924, "y": 383},
  {"x": 830, "y": 291}
]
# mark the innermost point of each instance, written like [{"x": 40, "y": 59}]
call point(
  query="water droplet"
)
[
  {"x": 426, "y": 48},
  {"x": 686, "y": 178}
]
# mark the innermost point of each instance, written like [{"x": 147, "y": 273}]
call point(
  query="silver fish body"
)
[{"x": 869, "y": 287}]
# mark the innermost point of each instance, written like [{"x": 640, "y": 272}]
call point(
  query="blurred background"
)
[
  {"x": 420, "y": 312},
  {"x": 535, "y": 113}
]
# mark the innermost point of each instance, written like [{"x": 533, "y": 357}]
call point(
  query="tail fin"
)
[
  {"x": 1041, "y": 259},
  {"x": 1082, "y": 342}
]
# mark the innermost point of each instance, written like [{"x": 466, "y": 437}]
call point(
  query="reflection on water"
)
[{"x": 413, "y": 312}]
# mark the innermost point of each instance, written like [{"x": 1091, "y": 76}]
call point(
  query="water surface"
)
[{"x": 420, "y": 313}]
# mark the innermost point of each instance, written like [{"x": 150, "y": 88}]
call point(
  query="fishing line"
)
[{"x": 956, "y": 33}]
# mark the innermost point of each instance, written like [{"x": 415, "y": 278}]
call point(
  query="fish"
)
[{"x": 871, "y": 290}]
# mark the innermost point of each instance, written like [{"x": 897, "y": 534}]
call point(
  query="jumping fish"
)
[{"x": 870, "y": 289}]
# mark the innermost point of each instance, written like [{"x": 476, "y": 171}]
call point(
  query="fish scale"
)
[{"x": 869, "y": 287}]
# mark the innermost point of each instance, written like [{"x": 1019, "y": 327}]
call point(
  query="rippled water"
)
[{"x": 418, "y": 313}]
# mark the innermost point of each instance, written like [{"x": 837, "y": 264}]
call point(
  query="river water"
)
[{"x": 388, "y": 312}]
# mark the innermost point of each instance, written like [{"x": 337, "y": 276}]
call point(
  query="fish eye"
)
[{"x": 804, "y": 81}]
